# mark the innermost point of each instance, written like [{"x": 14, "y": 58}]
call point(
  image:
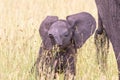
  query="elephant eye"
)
[
  {"x": 66, "y": 34},
  {"x": 51, "y": 36}
]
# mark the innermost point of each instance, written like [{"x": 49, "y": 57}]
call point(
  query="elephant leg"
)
[
  {"x": 117, "y": 55},
  {"x": 56, "y": 67},
  {"x": 70, "y": 69},
  {"x": 98, "y": 33},
  {"x": 118, "y": 63},
  {"x": 116, "y": 47},
  {"x": 102, "y": 45}
]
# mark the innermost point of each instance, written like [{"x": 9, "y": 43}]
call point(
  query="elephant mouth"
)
[
  {"x": 57, "y": 46},
  {"x": 55, "y": 40}
]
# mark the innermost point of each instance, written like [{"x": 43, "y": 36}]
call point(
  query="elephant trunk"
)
[{"x": 55, "y": 39}]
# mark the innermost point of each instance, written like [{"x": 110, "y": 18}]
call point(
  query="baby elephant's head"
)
[
  {"x": 60, "y": 33},
  {"x": 76, "y": 29}
]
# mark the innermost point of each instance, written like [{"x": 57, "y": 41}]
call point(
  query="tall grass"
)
[{"x": 20, "y": 40}]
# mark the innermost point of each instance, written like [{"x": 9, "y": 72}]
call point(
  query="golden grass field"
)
[{"x": 20, "y": 40}]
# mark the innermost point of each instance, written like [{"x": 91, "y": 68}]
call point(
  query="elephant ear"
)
[
  {"x": 83, "y": 25},
  {"x": 43, "y": 31}
]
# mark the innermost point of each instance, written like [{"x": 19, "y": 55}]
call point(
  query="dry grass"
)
[{"x": 20, "y": 40}]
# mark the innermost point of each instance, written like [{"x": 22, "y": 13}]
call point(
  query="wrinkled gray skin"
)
[
  {"x": 78, "y": 27},
  {"x": 109, "y": 19},
  {"x": 69, "y": 35},
  {"x": 83, "y": 25},
  {"x": 43, "y": 31},
  {"x": 61, "y": 32}
]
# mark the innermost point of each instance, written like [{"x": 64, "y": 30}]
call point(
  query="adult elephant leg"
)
[
  {"x": 110, "y": 12},
  {"x": 117, "y": 55},
  {"x": 102, "y": 45},
  {"x": 118, "y": 64},
  {"x": 98, "y": 33},
  {"x": 116, "y": 48}
]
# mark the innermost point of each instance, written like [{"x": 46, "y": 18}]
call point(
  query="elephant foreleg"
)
[{"x": 70, "y": 70}]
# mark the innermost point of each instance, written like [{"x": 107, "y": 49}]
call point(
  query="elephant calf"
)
[{"x": 68, "y": 35}]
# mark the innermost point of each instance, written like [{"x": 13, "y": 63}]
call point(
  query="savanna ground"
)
[{"x": 20, "y": 40}]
